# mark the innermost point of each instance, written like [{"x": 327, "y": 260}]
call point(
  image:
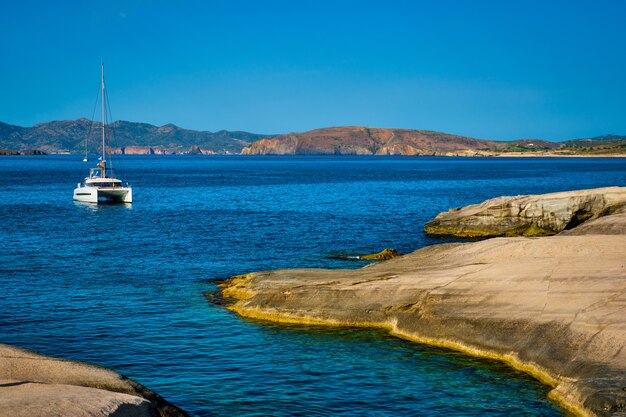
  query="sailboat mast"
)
[{"x": 103, "y": 153}]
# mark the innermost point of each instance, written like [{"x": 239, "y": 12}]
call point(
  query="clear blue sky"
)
[{"x": 489, "y": 69}]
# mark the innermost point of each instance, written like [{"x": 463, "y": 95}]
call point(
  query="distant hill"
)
[
  {"x": 356, "y": 140},
  {"x": 604, "y": 140},
  {"x": 68, "y": 136}
]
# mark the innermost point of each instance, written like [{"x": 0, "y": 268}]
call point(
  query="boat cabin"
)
[
  {"x": 101, "y": 176},
  {"x": 102, "y": 182}
]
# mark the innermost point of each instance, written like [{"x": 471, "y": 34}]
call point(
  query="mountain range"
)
[{"x": 69, "y": 136}]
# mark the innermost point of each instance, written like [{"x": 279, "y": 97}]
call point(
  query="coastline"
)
[
  {"x": 541, "y": 374},
  {"x": 552, "y": 307},
  {"x": 14, "y": 153},
  {"x": 554, "y": 155}
]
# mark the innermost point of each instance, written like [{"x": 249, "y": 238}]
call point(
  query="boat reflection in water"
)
[{"x": 103, "y": 205}]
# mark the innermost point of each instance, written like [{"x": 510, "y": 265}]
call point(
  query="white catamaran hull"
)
[{"x": 96, "y": 194}]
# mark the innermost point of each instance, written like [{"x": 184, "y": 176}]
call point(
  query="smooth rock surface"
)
[
  {"x": 554, "y": 307},
  {"x": 30, "y": 399},
  {"x": 529, "y": 215},
  {"x": 35, "y": 385}
]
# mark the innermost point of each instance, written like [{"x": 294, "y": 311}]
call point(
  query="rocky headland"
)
[
  {"x": 529, "y": 215},
  {"x": 33, "y": 385},
  {"x": 359, "y": 140},
  {"x": 554, "y": 307}
]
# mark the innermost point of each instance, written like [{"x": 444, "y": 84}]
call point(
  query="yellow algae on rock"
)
[{"x": 237, "y": 288}]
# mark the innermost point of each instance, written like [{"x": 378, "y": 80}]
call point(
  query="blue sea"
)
[{"x": 122, "y": 286}]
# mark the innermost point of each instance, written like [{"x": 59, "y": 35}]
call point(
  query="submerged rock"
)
[
  {"x": 529, "y": 215},
  {"x": 383, "y": 255},
  {"x": 33, "y": 385}
]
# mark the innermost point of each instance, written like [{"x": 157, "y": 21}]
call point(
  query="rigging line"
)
[
  {"x": 111, "y": 137},
  {"x": 93, "y": 115},
  {"x": 107, "y": 113},
  {"x": 108, "y": 134}
]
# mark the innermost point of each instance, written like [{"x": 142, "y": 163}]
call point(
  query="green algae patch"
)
[{"x": 486, "y": 232}]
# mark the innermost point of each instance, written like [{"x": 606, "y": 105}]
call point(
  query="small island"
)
[{"x": 552, "y": 306}]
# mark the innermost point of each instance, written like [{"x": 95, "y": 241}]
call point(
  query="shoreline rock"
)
[
  {"x": 528, "y": 215},
  {"x": 36, "y": 385},
  {"x": 28, "y": 152},
  {"x": 553, "y": 307}
]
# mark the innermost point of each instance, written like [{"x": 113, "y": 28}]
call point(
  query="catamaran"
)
[{"x": 101, "y": 184}]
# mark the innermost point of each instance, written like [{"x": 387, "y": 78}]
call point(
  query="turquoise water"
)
[{"x": 122, "y": 286}]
